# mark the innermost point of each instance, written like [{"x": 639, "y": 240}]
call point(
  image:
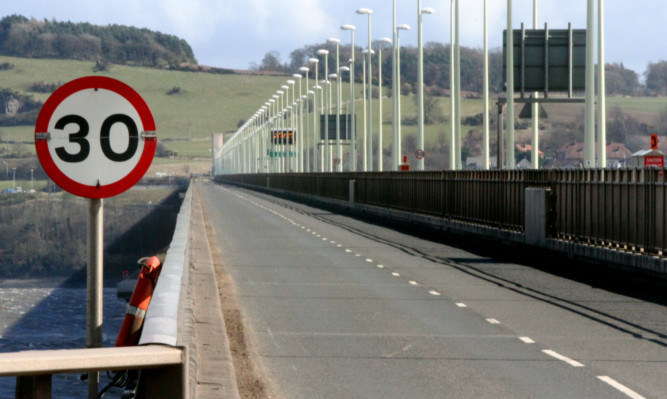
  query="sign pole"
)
[{"x": 95, "y": 284}]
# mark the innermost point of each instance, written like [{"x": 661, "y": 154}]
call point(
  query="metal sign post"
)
[{"x": 95, "y": 284}]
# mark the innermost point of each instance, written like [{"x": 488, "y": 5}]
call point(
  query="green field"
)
[{"x": 210, "y": 103}]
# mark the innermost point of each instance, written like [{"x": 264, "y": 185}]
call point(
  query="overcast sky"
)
[{"x": 236, "y": 33}]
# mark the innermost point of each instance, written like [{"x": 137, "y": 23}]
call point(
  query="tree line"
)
[
  {"x": 32, "y": 38},
  {"x": 619, "y": 80}
]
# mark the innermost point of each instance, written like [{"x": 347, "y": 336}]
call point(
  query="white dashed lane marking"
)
[
  {"x": 617, "y": 385},
  {"x": 558, "y": 356}
]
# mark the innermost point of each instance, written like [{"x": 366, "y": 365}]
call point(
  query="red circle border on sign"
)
[{"x": 42, "y": 126}]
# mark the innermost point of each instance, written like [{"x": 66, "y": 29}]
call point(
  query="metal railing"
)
[{"x": 622, "y": 209}]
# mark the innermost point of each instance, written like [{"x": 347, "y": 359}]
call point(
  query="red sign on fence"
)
[{"x": 655, "y": 160}]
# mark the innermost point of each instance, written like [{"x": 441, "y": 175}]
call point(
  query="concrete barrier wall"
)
[{"x": 161, "y": 325}]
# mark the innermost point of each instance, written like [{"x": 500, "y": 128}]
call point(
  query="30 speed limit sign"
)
[{"x": 95, "y": 137}]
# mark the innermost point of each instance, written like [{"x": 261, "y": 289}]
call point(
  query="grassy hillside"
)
[{"x": 209, "y": 103}]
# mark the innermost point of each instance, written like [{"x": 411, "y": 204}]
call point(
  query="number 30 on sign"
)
[{"x": 95, "y": 137}]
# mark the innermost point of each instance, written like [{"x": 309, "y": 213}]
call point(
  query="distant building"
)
[
  {"x": 477, "y": 163},
  {"x": 571, "y": 155}
]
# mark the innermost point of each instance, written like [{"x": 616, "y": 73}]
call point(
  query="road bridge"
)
[{"x": 279, "y": 298}]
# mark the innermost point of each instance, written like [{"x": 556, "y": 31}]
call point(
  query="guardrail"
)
[
  {"x": 621, "y": 209},
  {"x": 162, "y": 354}
]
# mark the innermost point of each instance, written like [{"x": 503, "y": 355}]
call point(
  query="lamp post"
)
[
  {"x": 315, "y": 116},
  {"x": 352, "y": 137},
  {"x": 339, "y": 148},
  {"x": 299, "y": 133},
  {"x": 452, "y": 124},
  {"x": 325, "y": 53},
  {"x": 394, "y": 103},
  {"x": 14, "y": 180},
  {"x": 397, "y": 143},
  {"x": 485, "y": 139},
  {"x": 292, "y": 128},
  {"x": 313, "y": 166},
  {"x": 32, "y": 181},
  {"x": 272, "y": 154},
  {"x": 369, "y": 12},
  {"x": 334, "y": 77},
  {"x": 288, "y": 126},
  {"x": 420, "y": 82},
  {"x": 281, "y": 115},
  {"x": 347, "y": 114},
  {"x": 381, "y": 43},
  {"x": 367, "y": 149},
  {"x": 305, "y": 136}
]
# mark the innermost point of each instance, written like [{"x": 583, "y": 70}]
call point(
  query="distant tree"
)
[
  {"x": 656, "y": 77},
  {"x": 620, "y": 81},
  {"x": 271, "y": 62}
]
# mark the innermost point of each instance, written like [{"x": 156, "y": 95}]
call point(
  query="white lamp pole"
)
[
  {"x": 457, "y": 86},
  {"x": 364, "y": 142},
  {"x": 485, "y": 140},
  {"x": 589, "y": 121},
  {"x": 315, "y": 117},
  {"x": 602, "y": 92},
  {"x": 394, "y": 95},
  {"x": 293, "y": 127},
  {"x": 306, "y": 136},
  {"x": 299, "y": 133},
  {"x": 347, "y": 114},
  {"x": 534, "y": 154},
  {"x": 339, "y": 148},
  {"x": 509, "y": 145},
  {"x": 369, "y": 120},
  {"x": 352, "y": 137},
  {"x": 420, "y": 82},
  {"x": 326, "y": 106},
  {"x": 452, "y": 111},
  {"x": 382, "y": 42},
  {"x": 399, "y": 28}
]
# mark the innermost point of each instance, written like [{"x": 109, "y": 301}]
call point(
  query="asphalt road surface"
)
[{"x": 340, "y": 308}]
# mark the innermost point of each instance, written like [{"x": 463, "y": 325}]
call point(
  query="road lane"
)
[{"x": 342, "y": 308}]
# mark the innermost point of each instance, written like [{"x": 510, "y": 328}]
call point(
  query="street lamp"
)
[
  {"x": 369, "y": 12},
  {"x": 315, "y": 116},
  {"x": 325, "y": 150},
  {"x": 299, "y": 132},
  {"x": 14, "y": 180},
  {"x": 306, "y": 137},
  {"x": 420, "y": 83},
  {"x": 353, "y": 136},
  {"x": 339, "y": 148},
  {"x": 347, "y": 113},
  {"x": 334, "y": 77},
  {"x": 293, "y": 127},
  {"x": 397, "y": 140},
  {"x": 382, "y": 42}
]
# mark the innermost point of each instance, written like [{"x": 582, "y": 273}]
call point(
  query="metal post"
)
[
  {"x": 509, "y": 162},
  {"x": 420, "y": 87},
  {"x": 94, "y": 283},
  {"x": 370, "y": 97},
  {"x": 365, "y": 138},
  {"x": 602, "y": 92},
  {"x": 452, "y": 126},
  {"x": 457, "y": 86},
  {"x": 589, "y": 121},
  {"x": 394, "y": 94},
  {"x": 534, "y": 155},
  {"x": 485, "y": 141}
]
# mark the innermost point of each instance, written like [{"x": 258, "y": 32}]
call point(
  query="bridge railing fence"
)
[{"x": 620, "y": 208}]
